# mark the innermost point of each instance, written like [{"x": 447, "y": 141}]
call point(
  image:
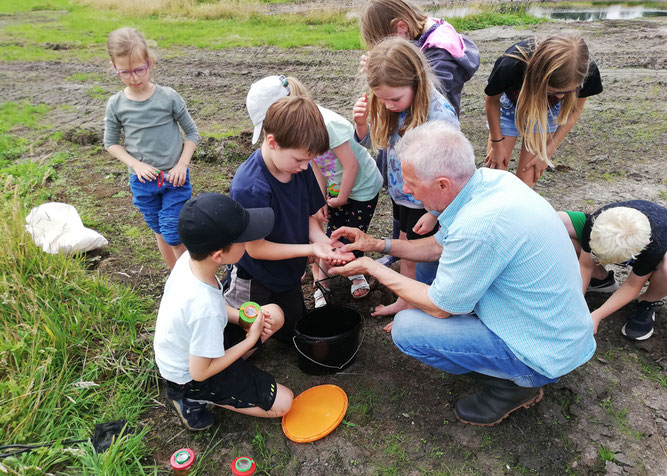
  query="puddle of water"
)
[
  {"x": 585, "y": 12},
  {"x": 611, "y": 12}
]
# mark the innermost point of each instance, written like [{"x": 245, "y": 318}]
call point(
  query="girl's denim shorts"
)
[
  {"x": 160, "y": 206},
  {"x": 507, "y": 112}
]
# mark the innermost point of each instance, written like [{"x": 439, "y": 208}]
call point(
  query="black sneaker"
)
[
  {"x": 605, "y": 285},
  {"x": 640, "y": 322},
  {"x": 193, "y": 414}
]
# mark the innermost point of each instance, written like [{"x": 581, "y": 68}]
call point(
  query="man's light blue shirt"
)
[{"x": 507, "y": 257}]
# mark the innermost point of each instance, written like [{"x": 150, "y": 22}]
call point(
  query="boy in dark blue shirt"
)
[{"x": 279, "y": 175}]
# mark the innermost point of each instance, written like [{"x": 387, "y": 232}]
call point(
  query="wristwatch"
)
[{"x": 387, "y": 245}]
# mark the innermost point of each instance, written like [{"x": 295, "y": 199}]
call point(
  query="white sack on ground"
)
[{"x": 57, "y": 228}]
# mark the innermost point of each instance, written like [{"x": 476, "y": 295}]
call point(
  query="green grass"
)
[
  {"x": 62, "y": 325},
  {"x": 606, "y": 454},
  {"x": 69, "y": 31},
  {"x": 487, "y": 19},
  {"x": 98, "y": 92},
  {"x": 85, "y": 77},
  {"x": 19, "y": 176}
]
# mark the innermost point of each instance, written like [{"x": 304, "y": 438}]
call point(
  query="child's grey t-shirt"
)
[
  {"x": 151, "y": 126},
  {"x": 191, "y": 320}
]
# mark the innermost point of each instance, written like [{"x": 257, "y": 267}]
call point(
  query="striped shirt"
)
[{"x": 507, "y": 256}]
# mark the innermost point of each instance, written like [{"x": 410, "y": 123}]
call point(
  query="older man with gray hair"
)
[{"x": 506, "y": 305}]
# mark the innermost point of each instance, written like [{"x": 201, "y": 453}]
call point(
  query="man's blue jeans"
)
[{"x": 460, "y": 344}]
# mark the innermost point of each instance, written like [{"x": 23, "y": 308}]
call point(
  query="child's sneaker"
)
[
  {"x": 193, "y": 414},
  {"x": 605, "y": 285},
  {"x": 640, "y": 322}
]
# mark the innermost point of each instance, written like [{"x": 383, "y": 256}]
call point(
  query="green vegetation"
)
[
  {"x": 85, "y": 77},
  {"x": 71, "y": 358},
  {"x": 606, "y": 454},
  {"x": 490, "y": 18},
  {"x": 76, "y": 30}
]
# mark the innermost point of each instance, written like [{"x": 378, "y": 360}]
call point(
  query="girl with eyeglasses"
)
[
  {"x": 537, "y": 89},
  {"x": 153, "y": 150}
]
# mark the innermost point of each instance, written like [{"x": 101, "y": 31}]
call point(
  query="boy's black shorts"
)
[
  {"x": 408, "y": 218},
  {"x": 241, "y": 385}
]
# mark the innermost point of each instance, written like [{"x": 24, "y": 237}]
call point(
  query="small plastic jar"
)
[
  {"x": 182, "y": 461},
  {"x": 248, "y": 312},
  {"x": 334, "y": 190},
  {"x": 243, "y": 466}
]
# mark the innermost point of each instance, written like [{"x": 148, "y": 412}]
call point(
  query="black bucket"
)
[{"x": 327, "y": 339}]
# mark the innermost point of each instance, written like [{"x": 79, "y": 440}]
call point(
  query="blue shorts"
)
[
  {"x": 507, "y": 112},
  {"x": 161, "y": 205}
]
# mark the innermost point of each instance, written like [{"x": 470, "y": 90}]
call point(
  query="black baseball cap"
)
[{"x": 212, "y": 221}]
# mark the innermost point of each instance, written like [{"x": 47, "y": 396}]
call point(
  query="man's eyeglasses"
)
[{"x": 138, "y": 72}]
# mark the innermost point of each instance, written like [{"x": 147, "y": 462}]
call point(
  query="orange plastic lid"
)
[{"x": 315, "y": 413}]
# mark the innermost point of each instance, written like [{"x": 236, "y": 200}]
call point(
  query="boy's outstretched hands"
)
[
  {"x": 358, "y": 241},
  {"x": 333, "y": 253}
]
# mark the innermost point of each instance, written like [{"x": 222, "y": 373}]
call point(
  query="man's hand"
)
[
  {"x": 358, "y": 239},
  {"x": 333, "y": 255},
  {"x": 362, "y": 265}
]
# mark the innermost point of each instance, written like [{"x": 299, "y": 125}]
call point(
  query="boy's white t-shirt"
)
[{"x": 191, "y": 320}]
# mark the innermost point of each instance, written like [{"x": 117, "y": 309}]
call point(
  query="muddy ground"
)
[{"x": 400, "y": 418}]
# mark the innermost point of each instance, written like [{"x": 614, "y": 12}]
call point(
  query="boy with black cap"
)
[{"x": 199, "y": 347}]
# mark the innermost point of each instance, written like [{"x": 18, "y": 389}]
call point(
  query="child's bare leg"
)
[
  {"x": 320, "y": 270},
  {"x": 529, "y": 175},
  {"x": 657, "y": 287},
  {"x": 407, "y": 269},
  {"x": 281, "y": 405},
  {"x": 167, "y": 251},
  {"x": 178, "y": 250}
]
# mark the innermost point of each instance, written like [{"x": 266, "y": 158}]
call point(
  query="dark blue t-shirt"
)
[{"x": 253, "y": 186}]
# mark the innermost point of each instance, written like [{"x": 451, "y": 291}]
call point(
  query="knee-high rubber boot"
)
[{"x": 496, "y": 401}]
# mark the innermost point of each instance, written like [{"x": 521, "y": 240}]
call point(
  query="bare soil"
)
[{"x": 400, "y": 418}]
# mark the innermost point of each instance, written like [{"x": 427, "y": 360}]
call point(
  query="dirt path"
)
[{"x": 400, "y": 419}]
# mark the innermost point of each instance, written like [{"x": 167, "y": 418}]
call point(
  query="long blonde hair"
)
[
  {"x": 396, "y": 63},
  {"x": 379, "y": 19},
  {"x": 556, "y": 62},
  {"x": 128, "y": 42}
]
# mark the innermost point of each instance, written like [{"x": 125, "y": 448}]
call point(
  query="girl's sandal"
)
[
  {"x": 361, "y": 286},
  {"x": 320, "y": 300}
]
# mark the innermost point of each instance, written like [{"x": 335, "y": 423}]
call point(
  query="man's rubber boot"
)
[{"x": 496, "y": 401}]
